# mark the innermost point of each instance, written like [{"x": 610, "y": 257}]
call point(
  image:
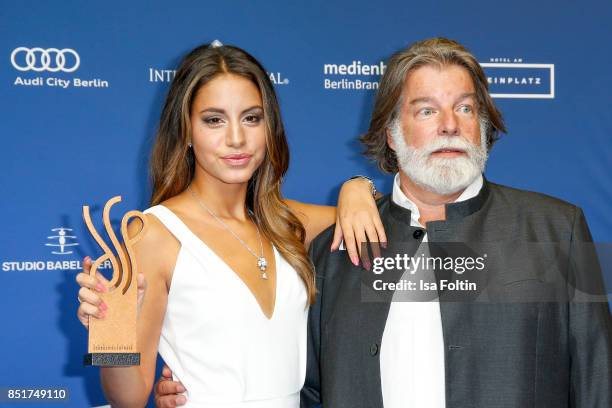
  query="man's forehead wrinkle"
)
[
  {"x": 422, "y": 88},
  {"x": 432, "y": 99}
]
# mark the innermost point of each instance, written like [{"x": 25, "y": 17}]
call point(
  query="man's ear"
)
[{"x": 390, "y": 141}]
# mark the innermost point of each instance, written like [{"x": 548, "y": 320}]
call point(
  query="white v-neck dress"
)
[{"x": 215, "y": 337}]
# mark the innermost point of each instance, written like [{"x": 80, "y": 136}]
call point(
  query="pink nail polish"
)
[
  {"x": 103, "y": 306},
  {"x": 100, "y": 287},
  {"x": 355, "y": 260}
]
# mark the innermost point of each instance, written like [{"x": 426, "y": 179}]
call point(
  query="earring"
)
[{"x": 189, "y": 144}]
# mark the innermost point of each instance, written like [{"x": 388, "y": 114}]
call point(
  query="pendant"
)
[{"x": 262, "y": 264}]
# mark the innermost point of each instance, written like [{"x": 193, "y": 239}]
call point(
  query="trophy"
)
[{"x": 112, "y": 340}]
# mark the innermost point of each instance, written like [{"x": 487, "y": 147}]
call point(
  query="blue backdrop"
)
[{"x": 82, "y": 136}]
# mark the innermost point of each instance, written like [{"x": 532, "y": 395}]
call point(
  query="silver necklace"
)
[{"x": 262, "y": 264}]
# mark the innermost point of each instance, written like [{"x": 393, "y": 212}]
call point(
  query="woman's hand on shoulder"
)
[{"x": 358, "y": 221}]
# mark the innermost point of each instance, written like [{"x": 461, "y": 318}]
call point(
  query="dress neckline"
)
[{"x": 201, "y": 242}]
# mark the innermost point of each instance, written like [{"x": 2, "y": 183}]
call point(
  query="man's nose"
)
[{"x": 449, "y": 126}]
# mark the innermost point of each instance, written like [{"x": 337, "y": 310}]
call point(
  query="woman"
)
[{"x": 228, "y": 279}]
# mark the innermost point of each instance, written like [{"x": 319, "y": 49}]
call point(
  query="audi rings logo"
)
[{"x": 51, "y": 60}]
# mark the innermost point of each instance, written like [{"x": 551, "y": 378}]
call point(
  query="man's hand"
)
[{"x": 166, "y": 391}]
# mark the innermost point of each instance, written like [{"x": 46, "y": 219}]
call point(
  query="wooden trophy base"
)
[{"x": 111, "y": 359}]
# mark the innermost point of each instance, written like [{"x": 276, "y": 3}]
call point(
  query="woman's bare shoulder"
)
[
  {"x": 156, "y": 232},
  {"x": 155, "y": 239}
]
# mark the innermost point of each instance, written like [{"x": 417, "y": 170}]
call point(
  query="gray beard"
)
[{"x": 441, "y": 175}]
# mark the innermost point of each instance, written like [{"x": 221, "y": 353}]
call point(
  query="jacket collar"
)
[{"x": 454, "y": 210}]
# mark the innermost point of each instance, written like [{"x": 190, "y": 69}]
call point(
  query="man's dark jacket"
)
[{"x": 526, "y": 346}]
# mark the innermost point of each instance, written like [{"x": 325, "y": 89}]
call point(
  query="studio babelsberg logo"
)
[
  {"x": 167, "y": 75},
  {"x": 61, "y": 241},
  {"x": 51, "y": 67},
  {"x": 60, "y": 257}
]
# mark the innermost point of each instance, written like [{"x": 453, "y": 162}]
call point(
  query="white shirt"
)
[{"x": 412, "y": 349}]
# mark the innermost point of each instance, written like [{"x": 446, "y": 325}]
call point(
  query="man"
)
[
  {"x": 533, "y": 334},
  {"x": 434, "y": 122}
]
